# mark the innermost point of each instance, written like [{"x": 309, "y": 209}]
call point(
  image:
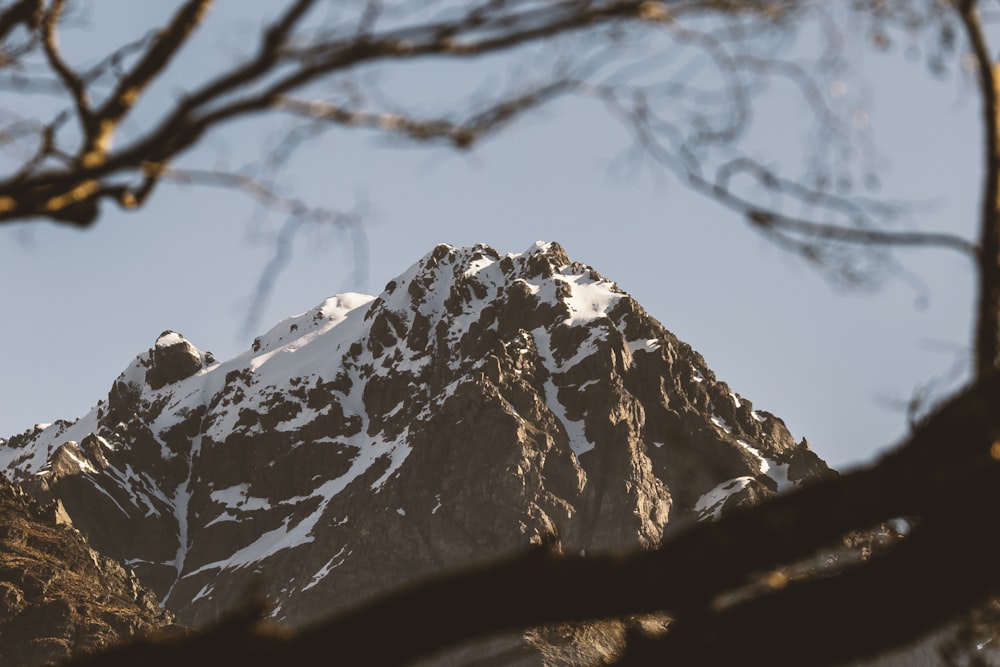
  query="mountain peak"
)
[{"x": 482, "y": 402}]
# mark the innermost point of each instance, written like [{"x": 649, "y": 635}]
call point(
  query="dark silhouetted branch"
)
[{"x": 987, "y": 338}]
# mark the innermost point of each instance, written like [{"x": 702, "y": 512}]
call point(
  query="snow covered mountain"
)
[{"x": 482, "y": 402}]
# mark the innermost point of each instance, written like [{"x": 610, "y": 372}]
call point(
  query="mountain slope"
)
[
  {"x": 482, "y": 402},
  {"x": 58, "y": 597}
]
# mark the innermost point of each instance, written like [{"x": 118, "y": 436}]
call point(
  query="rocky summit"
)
[{"x": 481, "y": 403}]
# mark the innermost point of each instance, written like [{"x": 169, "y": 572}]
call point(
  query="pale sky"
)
[{"x": 835, "y": 364}]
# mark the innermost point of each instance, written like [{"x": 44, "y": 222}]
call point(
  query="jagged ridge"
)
[{"x": 480, "y": 403}]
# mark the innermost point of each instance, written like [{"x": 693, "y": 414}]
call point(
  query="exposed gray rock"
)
[
  {"x": 480, "y": 404},
  {"x": 173, "y": 359}
]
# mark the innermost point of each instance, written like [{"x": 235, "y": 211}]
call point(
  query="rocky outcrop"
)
[
  {"x": 173, "y": 358},
  {"x": 58, "y": 597},
  {"x": 481, "y": 403}
]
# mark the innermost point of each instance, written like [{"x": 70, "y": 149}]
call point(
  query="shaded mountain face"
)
[
  {"x": 481, "y": 403},
  {"x": 58, "y": 597}
]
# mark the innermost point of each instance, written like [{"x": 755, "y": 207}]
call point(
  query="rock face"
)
[
  {"x": 482, "y": 402},
  {"x": 172, "y": 359},
  {"x": 58, "y": 597}
]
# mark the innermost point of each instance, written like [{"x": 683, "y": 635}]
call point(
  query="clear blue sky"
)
[{"x": 76, "y": 307}]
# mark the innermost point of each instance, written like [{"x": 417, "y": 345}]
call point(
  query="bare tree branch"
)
[
  {"x": 772, "y": 222},
  {"x": 70, "y": 79},
  {"x": 987, "y": 340},
  {"x": 804, "y": 235},
  {"x": 72, "y": 193},
  {"x": 460, "y": 133},
  {"x": 22, "y": 12},
  {"x": 161, "y": 51}
]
